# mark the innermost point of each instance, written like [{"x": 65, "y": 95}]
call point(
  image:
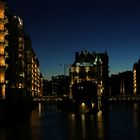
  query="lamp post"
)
[{"x": 65, "y": 67}]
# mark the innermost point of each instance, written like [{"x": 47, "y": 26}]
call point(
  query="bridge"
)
[
  {"x": 47, "y": 99},
  {"x": 124, "y": 98},
  {"x": 118, "y": 98}
]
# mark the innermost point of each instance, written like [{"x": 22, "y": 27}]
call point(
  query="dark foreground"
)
[{"x": 48, "y": 122}]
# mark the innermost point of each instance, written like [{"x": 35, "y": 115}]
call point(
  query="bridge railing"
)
[
  {"x": 47, "y": 98},
  {"x": 124, "y": 98}
]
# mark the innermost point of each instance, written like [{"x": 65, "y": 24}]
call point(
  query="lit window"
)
[{"x": 22, "y": 74}]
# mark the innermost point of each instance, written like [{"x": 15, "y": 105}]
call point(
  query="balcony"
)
[
  {"x": 6, "y": 66},
  {"x": 1, "y": 54},
  {"x": 3, "y": 21},
  {"x": 2, "y": 32},
  {"x": 6, "y": 54},
  {"x": 6, "y": 43},
  {"x": 2, "y": 44},
  {"x": 6, "y": 32},
  {"x": 2, "y": 66}
]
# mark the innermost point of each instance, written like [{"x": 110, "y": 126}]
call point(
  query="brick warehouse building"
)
[
  {"x": 17, "y": 59},
  {"x": 89, "y": 68}
]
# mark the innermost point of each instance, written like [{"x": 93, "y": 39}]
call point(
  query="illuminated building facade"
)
[
  {"x": 20, "y": 76},
  {"x": 136, "y": 78},
  {"x": 36, "y": 77},
  {"x": 15, "y": 74},
  {"x": 90, "y": 68},
  {"x": 60, "y": 85},
  {"x": 33, "y": 76},
  {"x": 3, "y": 45}
]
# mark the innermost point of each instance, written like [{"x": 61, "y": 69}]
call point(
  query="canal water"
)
[{"x": 49, "y": 122}]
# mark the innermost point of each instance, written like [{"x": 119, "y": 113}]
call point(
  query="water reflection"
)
[
  {"x": 49, "y": 122},
  {"x": 39, "y": 109},
  {"x": 136, "y": 121},
  {"x": 100, "y": 125},
  {"x": 85, "y": 127},
  {"x": 76, "y": 126}
]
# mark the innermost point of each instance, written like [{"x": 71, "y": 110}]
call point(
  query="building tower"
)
[
  {"x": 3, "y": 44},
  {"x": 89, "y": 76}
]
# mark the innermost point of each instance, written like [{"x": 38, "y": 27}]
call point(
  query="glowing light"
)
[
  {"x": 3, "y": 91},
  {"x": 83, "y": 127},
  {"x": 20, "y": 85},
  {"x": 83, "y": 104},
  {"x": 100, "y": 113},
  {"x": 87, "y": 69},
  {"x": 100, "y": 125},
  {"x": 83, "y": 117},
  {"x": 93, "y": 105},
  {"x": 77, "y": 69},
  {"x": 2, "y": 77},
  {"x": 1, "y": 13},
  {"x": 39, "y": 109},
  {"x": 1, "y": 27},
  {"x": 73, "y": 116},
  {"x": 135, "y": 82}
]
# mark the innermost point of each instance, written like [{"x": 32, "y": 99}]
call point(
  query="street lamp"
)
[{"x": 65, "y": 67}]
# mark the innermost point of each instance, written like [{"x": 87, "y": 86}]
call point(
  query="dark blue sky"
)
[{"x": 58, "y": 28}]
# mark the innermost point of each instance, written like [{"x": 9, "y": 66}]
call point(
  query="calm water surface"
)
[{"x": 48, "y": 122}]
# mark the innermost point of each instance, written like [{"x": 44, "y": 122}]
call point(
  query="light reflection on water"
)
[
  {"x": 86, "y": 127},
  {"x": 48, "y": 122},
  {"x": 71, "y": 126},
  {"x": 100, "y": 125},
  {"x": 83, "y": 127}
]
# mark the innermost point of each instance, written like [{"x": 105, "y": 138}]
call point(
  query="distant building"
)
[
  {"x": 136, "y": 78},
  {"x": 91, "y": 68},
  {"x": 47, "y": 87},
  {"x": 114, "y": 86},
  {"x": 126, "y": 83},
  {"x": 121, "y": 84},
  {"x": 60, "y": 85}
]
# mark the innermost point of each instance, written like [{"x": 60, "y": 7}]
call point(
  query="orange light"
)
[{"x": 83, "y": 104}]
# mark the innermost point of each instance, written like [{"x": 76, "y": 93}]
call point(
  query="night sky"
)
[{"x": 58, "y": 28}]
